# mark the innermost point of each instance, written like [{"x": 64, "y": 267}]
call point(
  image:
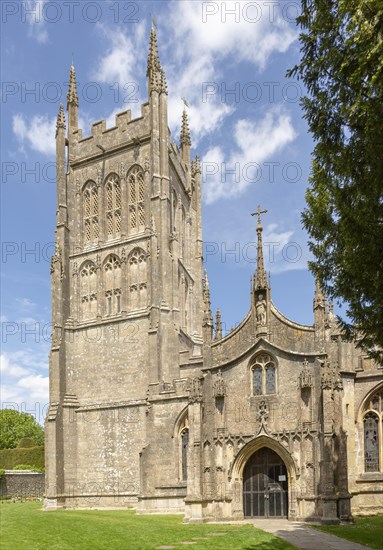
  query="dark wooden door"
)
[{"x": 265, "y": 486}]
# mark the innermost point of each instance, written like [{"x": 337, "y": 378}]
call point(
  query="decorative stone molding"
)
[
  {"x": 262, "y": 416},
  {"x": 330, "y": 376},
  {"x": 57, "y": 262},
  {"x": 219, "y": 386},
  {"x": 305, "y": 378},
  {"x": 70, "y": 400},
  {"x": 52, "y": 410},
  {"x": 195, "y": 390}
]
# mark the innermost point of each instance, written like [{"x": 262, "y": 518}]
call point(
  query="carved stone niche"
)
[
  {"x": 219, "y": 386},
  {"x": 195, "y": 390},
  {"x": 305, "y": 377},
  {"x": 262, "y": 416},
  {"x": 261, "y": 311}
]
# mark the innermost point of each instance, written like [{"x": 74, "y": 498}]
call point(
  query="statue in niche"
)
[{"x": 260, "y": 308}]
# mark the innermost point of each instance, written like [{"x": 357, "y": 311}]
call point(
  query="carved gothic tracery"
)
[
  {"x": 219, "y": 386},
  {"x": 195, "y": 390},
  {"x": 262, "y": 416},
  {"x": 330, "y": 379},
  {"x": 57, "y": 262},
  {"x": 305, "y": 378}
]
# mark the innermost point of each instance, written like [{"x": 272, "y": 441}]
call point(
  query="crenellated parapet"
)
[{"x": 103, "y": 141}]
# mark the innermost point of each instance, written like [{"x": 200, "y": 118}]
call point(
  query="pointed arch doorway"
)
[{"x": 265, "y": 485}]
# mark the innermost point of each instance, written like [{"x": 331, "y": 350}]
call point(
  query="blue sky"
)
[{"x": 228, "y": 59}]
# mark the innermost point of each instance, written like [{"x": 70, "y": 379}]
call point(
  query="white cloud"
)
[
  {"x": 37, "y": 386},
  {"x": 25, "y": 384},
  {"x": 124, "y": 59},
  {"x": 8, "y": 368},
  {"x": 34, "y": 13},
  {"x": 38, "y": 132},
  {"x": 205, "y": 117},
  {"x": 254, "y": 143},
  {"x": 248, "y": 36},
  {"x": 33, "y": 360},
  {"x": 25, "y": 304},
  {"x": 194, "y": 52},
  {"x": 198, "y": 48}
]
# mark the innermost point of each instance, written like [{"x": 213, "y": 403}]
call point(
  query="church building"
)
[{"x": 151, "y": 406}]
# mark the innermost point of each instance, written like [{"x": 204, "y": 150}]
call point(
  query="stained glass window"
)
[
  {"x": 257, "y": 381},
  {"x": 270, "y": 379},
  {"x": 184, "y": 443},
  {"x": 373, "y": 432},
  {"x": 371, "y": 443},
  {"x": 264, "y": 375}
]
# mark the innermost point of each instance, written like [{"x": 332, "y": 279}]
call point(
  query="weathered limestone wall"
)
[{"x": 115, "y": 350}]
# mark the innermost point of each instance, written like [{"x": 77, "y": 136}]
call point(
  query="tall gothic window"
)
[
  {"x": 90, "y": 212},
  {"x": 373, "y": 433},
  {"x": 174, "y": 212},
  {"x": 112, "y": 285},
  {"x": 183, "y": 445},
  {"x": 136, "y": 199},
  {"x": 113, "y": 206},
  {"x": 184, "y": 453},
  {"x": 371, "y": 442},
  {"x": 137, "y": 279},
  {"x": 88, "y": 291},
  {"x": 257, "y": 381},
  {"x": 263, "y": 370},
  {"x": 270, "y": 378}
]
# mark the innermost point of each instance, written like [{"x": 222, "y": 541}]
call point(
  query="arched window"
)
[
  {"x": 371, "y": 442},
  {"x": 183, "y": 446},
  {"x": 136, "y": 199},
  {"x": 270, "y": 378},
  {"x": 257, "y": 380},
  {"x": 137, "y": 279},
  {"x": 174, "y": 213},
  {"x": 88, "y": 291},
  {"x": 373, "y": 433},
  {"x": 112, "y": 284},
  {"x": 263, "y": 370},
  {"x": 90, "y": 212},
  {"x": 113, "y": 206},
  {"x": 184, "y": 453}
]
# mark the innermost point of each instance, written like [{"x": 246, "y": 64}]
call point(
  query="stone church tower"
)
[{"x": 151, "y": 405}]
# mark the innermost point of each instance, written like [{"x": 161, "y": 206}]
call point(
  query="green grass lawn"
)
[
  {"x": 367, "y": 530},
  {"x": 24, "y": 526}
]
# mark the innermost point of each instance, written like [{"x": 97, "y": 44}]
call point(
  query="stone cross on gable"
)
[{"x": 258, "y": 213}]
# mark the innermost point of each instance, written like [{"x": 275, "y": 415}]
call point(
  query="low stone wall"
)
[{"x": 22, "y": 484}]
